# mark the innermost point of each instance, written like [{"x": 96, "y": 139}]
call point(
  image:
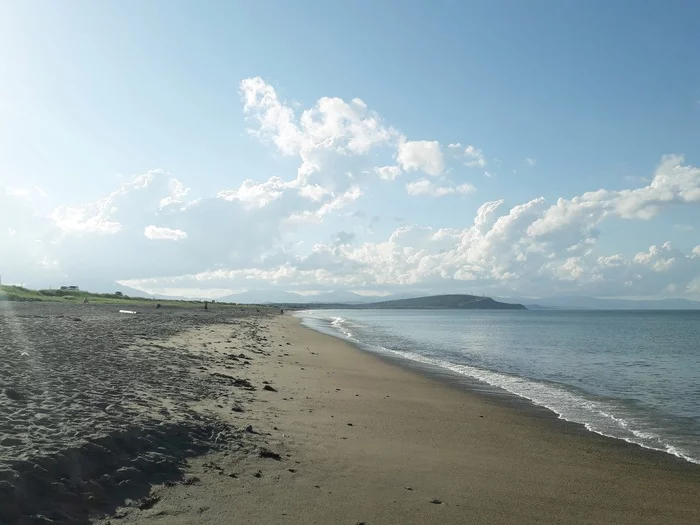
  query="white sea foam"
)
[{"x": 340, "y": 324}]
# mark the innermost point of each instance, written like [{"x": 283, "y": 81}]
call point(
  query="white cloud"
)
[
  {"x": 494, "y": 252},
  {"x": 428, "y": 187},
  {"x": 313, "y": 192},
  {"x": 336, "y": 203},
  {"x": 293, "y": 230},
  {"x": 498, "y": 250},
  {"x": 275, "y": 120},
  {"x": 611, "y": 261},
  {"x": 177, "y": 193},
  {"x": 465, "y": 188},
  {"x": 352, "y": 127},
  {"x": 664, "y": 264},
  {"x": 100, "y": 217},
  {"x": 645, "y": 257},
  {"x": 571, "y": 269},
  {"x": 658, "y": 259},
  {"x": 255, "y": 195},
  {"x": 530, "y": 161},
  {"x": 423, "y": 155},
  {"x": 475, "y": 157},
  {"x": 165, "y": 234},
  {"x": 672, "y": 183},
  {"x": 388, "y": 172},
  {"x": 470, "y": 155},
  {"x": 85, "y": 219}
]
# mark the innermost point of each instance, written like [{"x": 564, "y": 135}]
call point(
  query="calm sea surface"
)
[{"x": 629, "y": 375}]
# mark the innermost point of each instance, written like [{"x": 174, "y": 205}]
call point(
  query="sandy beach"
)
[{"x": 253, "y": 418}]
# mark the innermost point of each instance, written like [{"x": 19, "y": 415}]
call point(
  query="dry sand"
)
[
  {"x": 96, "y": 406},
  {"x": 362, "y": 440}
]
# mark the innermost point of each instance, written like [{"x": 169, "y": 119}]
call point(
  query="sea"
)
[{"x": 631, "y": 375}]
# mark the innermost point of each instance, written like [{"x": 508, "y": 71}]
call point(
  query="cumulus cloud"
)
[
  {"x": 673, "y": 183},
  {"x": 351, "y": 126},
  {"x": 336, "y": 203},
  {"x": 611, "y": 261},
  {"x": 470, "y": 155},
  {"x": 85, "y": 219},
  {"x": 423, "y": 155},
  {"x": 430, "y": 188},
  {"x": 475, "y": 157},
  {"x": 388, "y": 172},
  {"x": 162, "y": 233},
  {"x": 257, "y": 195},
  {"x": 502, "y": 249},
  {"x": 102, "y": 217},
  {"x": 290, "y": 229}
]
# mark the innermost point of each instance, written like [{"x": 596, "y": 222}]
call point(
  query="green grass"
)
[{"x": 17, "y": 293}]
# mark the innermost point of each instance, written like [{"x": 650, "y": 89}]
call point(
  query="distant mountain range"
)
[
  {"x": 278, "y": 297},
  {"x": 133, "y": 292},
  {"x": 347, "y": 297},
  {"x": 594, "y": 303},
  {"x": 543, "y": 303}
]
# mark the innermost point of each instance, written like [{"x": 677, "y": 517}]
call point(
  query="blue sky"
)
[{"x": 545, "y": 99}]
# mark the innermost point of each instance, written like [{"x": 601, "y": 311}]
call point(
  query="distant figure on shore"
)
[
  {"x": 158, "y": 305},
  {"x": 205, "y": 305},
  {"x": 281, "y": 311}
]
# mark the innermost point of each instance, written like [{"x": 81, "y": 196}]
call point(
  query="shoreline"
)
[
  {"x": 493, "y": 392},
  {"x": 363, "y": 440},
  {"x": 496, "y": 394}
]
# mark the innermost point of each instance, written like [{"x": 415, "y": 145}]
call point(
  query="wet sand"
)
[
  {"x": 224, "y": 417},
  {"x": 361, "y": 440}
]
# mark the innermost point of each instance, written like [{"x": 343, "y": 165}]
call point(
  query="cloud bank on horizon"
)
[{"x": 304, "y": 229}]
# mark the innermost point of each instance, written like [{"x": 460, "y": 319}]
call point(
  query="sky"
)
[{"x": 509, "y": 148}]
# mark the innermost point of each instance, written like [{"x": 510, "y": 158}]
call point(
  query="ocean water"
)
[{"x": 629, "y": 375}]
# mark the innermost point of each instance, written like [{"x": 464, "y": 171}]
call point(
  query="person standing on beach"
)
[{"x": 205, "y": 305}]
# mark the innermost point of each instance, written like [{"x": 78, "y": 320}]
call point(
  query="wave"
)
[
  {"x": 340, "y": 324},
  {"x": 604, "y": 417}
]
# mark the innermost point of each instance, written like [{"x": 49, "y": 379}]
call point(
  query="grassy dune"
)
[{"x": 17, "y": 293}]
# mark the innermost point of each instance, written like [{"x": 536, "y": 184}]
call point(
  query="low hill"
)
[
  {"x": 433, "y": 302},
  {"x": 454, "y": 302}
]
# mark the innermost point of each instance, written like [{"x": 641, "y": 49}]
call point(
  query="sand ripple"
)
[{"x": 93, "y": 408}]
